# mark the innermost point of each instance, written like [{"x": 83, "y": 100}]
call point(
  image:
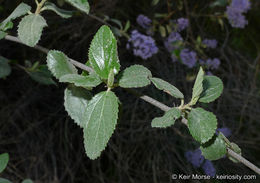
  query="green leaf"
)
[
  {"x": 20, "y": 10},
  {"x": 202, "y": 124},
  {"x": 5, "y": 68},
  {"x": 89, "y": 81},
  {"x": 167, "y": 119},
  {"x": 212, "y": 89},
  {"x": 2, "y": 35},
  {"x": 75, "y": 102},
  {"x": 162, "y": 31},
  {"x": 59, "y": 64},
  {"x": 155, "y": 2},
  {"x": 4, "y": 158},
  {"x": 214, "y": 149},
  {"x": 167, "y": 87},
  {"x": 101, "y": 119},
  {"x": 134, "y": 77},
  {"x": 127, "y": 26},
  {"x": 117, "y": 22},
  {"x": 27, "y": 181},
  {"x": 82, "y": 5},
  {"x": 4, "y": 181},
  {"x": 103, "y": 53},
  {"x": 30, "y": 29},
  {"x": 219, "y": 3},
  {"x": 52, "y": 7},
  {"x": 61, "y": 2},
  {"x": 42, "y": 75},
  {"x": 198, "y": 87},
  {"x": 235, "y": 148},
  {"x": 6, "y": 26},
  {"x": 111, "y": 79},
  {"x": 116, "y": 31}
]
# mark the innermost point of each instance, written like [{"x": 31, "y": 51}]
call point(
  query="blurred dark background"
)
[{"x": 45, "y": 145}]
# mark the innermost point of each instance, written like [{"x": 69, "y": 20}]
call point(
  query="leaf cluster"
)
[{"x": 97, "y": 114}]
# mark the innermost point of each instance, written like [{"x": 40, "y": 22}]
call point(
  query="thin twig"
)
[
  {"x": 145, "y": 98},
  {"x": 15, "y": 39},
  {"x": 150, "y": 100},
  {"x": 99, "y": 19},
  {"x": 243, "y": 160},
  {"x": 39, "y": 6},
  {"x": 45, "y": 50}
]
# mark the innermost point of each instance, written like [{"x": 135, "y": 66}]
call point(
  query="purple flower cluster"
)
[
  {"x": 226, "y": 131},
  {"x": 182, "y": 23},
  {"x": 143, "y": 46},
  {"x": 210, "y": 63},
  {"x": 208, "y": 73},
  {"x": 144, "y": 21},
  {"x": 210, "y": 43},
  {"x": 195, "y": 157},
  {"x": 189, "y": 58},
  {"x": 209, "y": 168},
  {"x": 235, "y": 13},
  {"x": 242, "y": 5},
  {"x": 213, "y": 63},
  {"x": 173, "y": 38},
  {"x": 197, "y": 160}
]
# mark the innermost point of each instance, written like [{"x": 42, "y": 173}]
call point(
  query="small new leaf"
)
[
  {"x": 89, "y": 81},
  {"x": 167, "y": 87},
  {"x": 214, "y": 149},
  {"x": 42, "y": 75},
  {"x": 237, "y": 150},
  {"x": 4, "y": 181},
  {"x": 75, "y": 102},
  {"x": 5, "y": 68},
  {"x": 4, "y": 158},
  {"x": 103, "y": 53},
  {"x": 2, "y": 35},
  {"x": 6, "y": 26},
  {"x": 212, "y": 89},
  {"x": 52, "y": 7},
  {"x": 202, "y": 124},
  {"x": 82, "y": 5},
  {"x": 168, "y": 119},
  {"x": 134, "y": 77},
  {"x": 27, "y": 181},
  {"x": 30, "y": 29},
  {"x": 20, "y": 10},
  {"x": 111, "y": 79},
  {"x": 198, "y": 87},
  {"x": 127, "y": 26},
  {"x": 155, "y": 2},
  {"x": 58, "y": 63},
  {"x": 101, "y": 119}
]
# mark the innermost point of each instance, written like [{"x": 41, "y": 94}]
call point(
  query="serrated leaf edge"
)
[
  {"x": 138, "y": 84},
  {"x": 223, "y": 142},
  {"x": 166, "y": 91},
  {"x": 78, "y": 7},
  {"x": 106, "y": 142},
  {"x": 67, "y": 59},
  {"x": 76, "y": 84},
  {"x": 210, "y": 137},
  {"x": 41, "y": 29},
  {"x": 116, "y": 70},
  {"x": 173, "y": 119},
  {"x": 217, "y": 96},
  {"x": 66, "y": 108}
]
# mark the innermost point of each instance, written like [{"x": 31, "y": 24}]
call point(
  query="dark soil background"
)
[{"x": 45, "y": 145}]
